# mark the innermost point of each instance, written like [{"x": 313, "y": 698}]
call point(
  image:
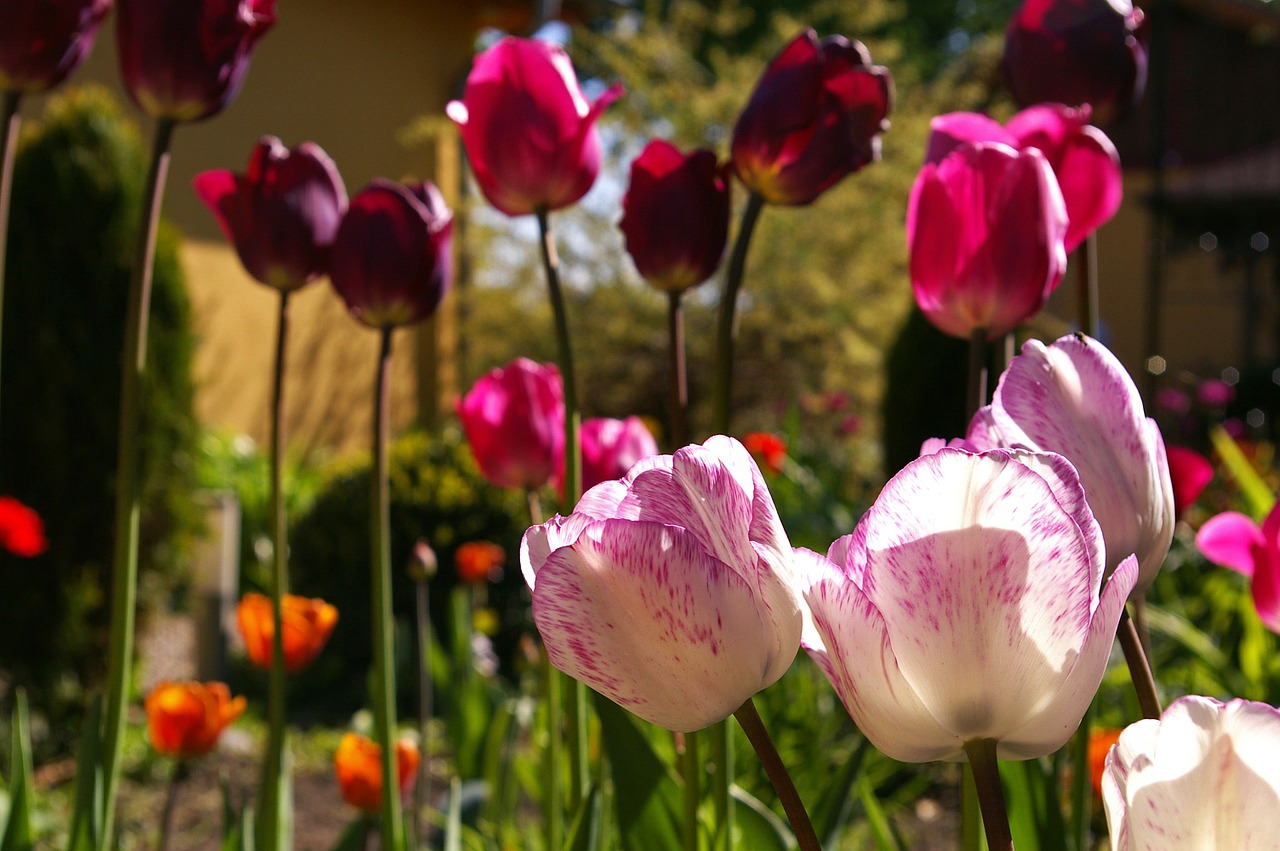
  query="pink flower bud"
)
[{"x": 514, "y": 421}]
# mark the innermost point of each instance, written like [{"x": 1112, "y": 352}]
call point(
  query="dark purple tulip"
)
[
  {"x": 815, "y": 116},
  {"x": 186, "y": 60},
  {"x": 675, "y": 216},
  {"x": 282, "y": 214},
  {"x": 43, "y": 41},
  {"x": 392, "y": 259},
  {"x": 1076, "y": 52}
]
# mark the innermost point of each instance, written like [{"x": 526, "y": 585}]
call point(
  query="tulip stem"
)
[
  {"x": 271, "y": 806},
  {"x": 678, "y": 385},
  {"x": 1144, "y": 682},
  {"x": 124, "y": 562},
  {"x": 726, "y": 326},
  {"x": 176, "y": 777},
  {"x": 384, "y": 685},
  {"x": 422, "y": 789},
  {"x": 986, "y": 777},
  {"x": 9, "y": 122},
  {"x": 773, "y": 766},
  {"x": 1087, "y": 285},
  {"x": 1081, "y": 786},
  {"x": 721, "y": 781},
  {"x": 977, "y": 372},
  {"x": 691, "y": 770},
  {"x": 576, "y": 707}
]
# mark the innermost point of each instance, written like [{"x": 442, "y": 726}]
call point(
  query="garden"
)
[{"x": 793, "y": 498}]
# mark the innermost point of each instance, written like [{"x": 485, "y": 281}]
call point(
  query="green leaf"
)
[
  {"x": 831, "y": 814},
  {"x": 756, "y": 826},
  {"x": 647, "y": 799},
  {"x": 1035, "y": 811},
  {"x": 584, "y": 833},
  {"x": 17, "y": 830},
  {"x": 237, "y": 828},
  {"x": 356, "y": 836},
  {"x": 1255, "y": 490},
  {"x": 86, "y": 817},
  {"x": 453, "y": 819},
  {"x": 877, "y": 820}
]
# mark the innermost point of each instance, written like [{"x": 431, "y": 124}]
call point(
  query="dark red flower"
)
[
  {"x": 21, "y": 529},
  {"x": 43, "y": 41}
]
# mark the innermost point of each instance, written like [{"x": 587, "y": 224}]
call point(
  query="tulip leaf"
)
[
  {"x": 646, "y": 797},
  {"x": 453, "y": 818},
  {"x": 17, "y": 830},
  {"x": 881, "y": 830},
  {"x": 1035, "y": 811},
  {"x": 86, "y": 817},
  {"x": 584, "y": 833},
  {"x": 237, "y": 828},
  {"x": 756, "y": 826},
  {"x": 1255, "y": 490},
  {"x": 1201, "y": 645},
  {"x": 834, "y": 808},
  {"x": 356, "y": 836}
]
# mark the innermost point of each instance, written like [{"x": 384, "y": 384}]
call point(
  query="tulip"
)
[
  {"x": 1205, "y": 775},
  {"x": 1076, "y": 399},
  {"x": 529, "y": 132},
  {"x": 186, "y": 61},
  {"x": 675, "y": 216},
  {"x": 357, "y": 764},
  {"x": 282, "y": 214},
  {"x": 1083, "y": 159},
  {"x": 612, "y": 447},
  {"x": 1076, "y": 52},
  {"x": 479, "y": 562},
  {"x": 766, "y": 448},
  {"x": 670, "y": 591},
  {"x": 307, "y": 626},
  {"x": 1233, "y": 540},
  {"x": 185, "y": 720},
  {"x": 514, "y": 421},
  {"x": 43, "y": 41},
  {"x": 815, "y": 116},
  {"x": 968, "y": 605},
  {"x": 21, "y": 529},
  {"x": 1190, "y": 472},
  {"x": 392, "y": 258},
  {"x": 985, "y": 229}
]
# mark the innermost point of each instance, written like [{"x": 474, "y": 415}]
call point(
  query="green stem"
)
[
  {"x": 977, "y": 394},
  {"x": 986, "y": 777},
  {"x": 384, "y": 698},
  {"x": 124, "y": 563},
  {"x": 691, "y": 773},
  {"x": 678, "y": 376},
  {"x": 1087, "y": 285},
  {"x": 1144, "y": 682},
  {"x": 721, "y": 781},
  {"x": 422, "y": 789},
  {"x": 726, "y": 326},
  {"x": 270, "y": 805},
  {"x": 176, "y": 777},
  {"x": 9, "y": 122},
  {"x": 749, "y": 719},
  {"x": 553, "y": 808},
  {"x": 970, "y": 812},
  {"x": 1081, "y": 787}
]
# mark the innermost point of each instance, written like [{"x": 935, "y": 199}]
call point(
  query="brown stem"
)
[
  {"x": 9, "y": 121},
  {"x": 1144, "y": 682},
  {"x": 773, "y": 766},
  {"x": 986, "y": 777},
  {"x": 678, "y": 381},
  {"x": 726, "y": 326}
]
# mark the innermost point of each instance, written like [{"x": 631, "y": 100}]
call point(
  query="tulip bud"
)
[
  {"x": 529, "y": 132},
  {"x": 186, "y": 61},
  {"x": 282, "y": 214},
  {"x": 43, "y": 41},
  {"x": 1076, "y": 52},
  {"x": 514, "y": 421},
  {"x": 392, "y": 257},
  {"x": 675, "y": 216},
  {"x": 423, "y": 563},
  {"x": 1190, "y": 473},
  {"x": 815, "y": 116}
]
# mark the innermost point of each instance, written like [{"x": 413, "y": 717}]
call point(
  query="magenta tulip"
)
[
  {"x": 1076, "y": 52},
  {"x": 392, "y": 257},
  {"x": 969, "y": 604},
  {"x": 815, "y": 116},
  {"x": 675, "y": 216},
  {"x": 514, "y": 421},
  {"x": 529, "y": 132},
  {"x": 185, "y": 61},
  {"x": 1083, "y": 159},
  {"x": 670, "y": 591},
  {"x": 1075, "y": 398},
  {"x": 985, "y": 229},
  {"x": 612, "y": 447},
  {"x": 43, "y": 41},
  {"x": 1190, "y": 473},
  {"x": 1233, "y": 540},
  {"x": 282, "y": 214}
]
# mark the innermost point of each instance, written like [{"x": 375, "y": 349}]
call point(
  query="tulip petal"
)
[
  {"x": 641, "y": 613},
  {"x": 950, "y": 130},
  {"x": 1230, "y": 539}
]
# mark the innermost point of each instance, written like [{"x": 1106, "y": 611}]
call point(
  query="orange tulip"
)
[
  {"x": 358, "y": 764},
  {"x": 479, "y": 562},
  {"x": 1100, "y": 742},
  {"x": 307, "y": 625},
  {"x": 184, "y": 720}
]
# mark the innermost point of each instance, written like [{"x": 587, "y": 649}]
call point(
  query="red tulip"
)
[
  {"x": 768, "y": 449},
  {"x": 529, "y": 131},
  {"x": 815, "y": 116},
  {"x": 1076, "y": 52},
  {"x": 21, "y": 529},
  {"x": 282, "y": 214},
  {"x": 358, "y": 766},
  {"x": 1190, "y": 472},
  {"x": 479, "y": 562},
  {"x": 612, "y": 447},
  {"x": 392, "y": 258},
  {"x": 675, "y": 216},
  {"x": 514, "y": 421},
  {"x": 1083, "y": 159},
  {"x": 43, "y": 41},
  {"x": 985, "y": 230},
  {"x": 186, "y": 60},
  {"x": 185, "y": 720}
]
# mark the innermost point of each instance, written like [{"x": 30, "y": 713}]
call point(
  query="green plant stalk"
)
[
  {"x": 749, "y": 719},
  {"x": 1081, "y": 788},
  {"x": 9, "y": 123},
  {"x": 553, "y": 808},
  {"x": 575, "y": 714},
  {"x": 977, "y": 388},
  {"x": 691, "y": 773},
  {"x": 986, "y": 776},
  {"x": 271, "y": 809},
  {"x": 391, "y": 826},
  {"x": 124, "y": 563},
  {"x": 722, "y": 755},
  {"x": 970, "y": 812},
  {"x": 727, "y": 318},
  {"x": 176, "y": 777},
  {"x": 678, "y": 378},
  {"x": 422, "y": 789},
  {"x": 1144, "y": 682}
]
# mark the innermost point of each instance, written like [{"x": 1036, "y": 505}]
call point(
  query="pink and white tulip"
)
[
  {"x": 1075, "y": 398},
  {"x": 968, "y": 604},
  {"x": 670, "y": 591},
  {"x": 1233, "y": 540},
  {"x": 1205, "y": 775}
]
